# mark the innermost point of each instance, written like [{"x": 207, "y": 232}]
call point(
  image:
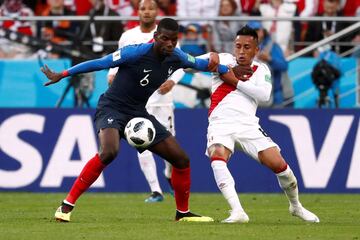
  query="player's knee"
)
[
  {"x": 272, "y": 158},
  {"x": 182, "y": 161},
  {"x": 218, "y": 152},
  {"x": 108, "y": 155}
]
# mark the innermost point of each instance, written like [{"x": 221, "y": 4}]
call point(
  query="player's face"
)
[
  {"x": 166, "y": 41},
  {"x": 246, "y": 48},
  {"x": 148, "y": 11}
]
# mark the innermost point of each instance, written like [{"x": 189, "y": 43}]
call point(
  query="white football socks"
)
[
  {"x": 226, "y": 184},
  {"x": 288, "y": 183},
  {"x": 148, "y": 167}
]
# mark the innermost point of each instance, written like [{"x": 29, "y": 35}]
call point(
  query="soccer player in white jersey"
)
[
  {"x": 160, "y": 104},
  {"x": 233, "y": 124}
]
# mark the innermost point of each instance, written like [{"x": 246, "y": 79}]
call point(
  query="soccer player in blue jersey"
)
[
  {"x": 142, "y": 70},
  {"x": 160, "y": 103}
]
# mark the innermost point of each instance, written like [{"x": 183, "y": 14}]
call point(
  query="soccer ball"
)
[{"x": 139, "y": 132}]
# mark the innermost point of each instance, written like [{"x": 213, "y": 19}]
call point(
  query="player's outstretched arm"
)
[
  {"x": 108, "y": 61},
  {"x": 84, "y": 67},
  {"x": 203, "y": 65},
  {"x": 206, "y": 63}
]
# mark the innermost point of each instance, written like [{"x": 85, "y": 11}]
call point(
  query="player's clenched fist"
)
[{"x": 243, "y": 73}]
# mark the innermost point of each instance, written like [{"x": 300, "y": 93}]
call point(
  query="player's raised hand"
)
[
  {"x": 243, "y": 73},
  {"x": 166, "y": 87},
  {"x": 214, "y": 61},
  {"x": 51, "y": 75}
]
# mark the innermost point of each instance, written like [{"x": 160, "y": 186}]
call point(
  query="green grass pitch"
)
[{"x": 126, "y": 216}]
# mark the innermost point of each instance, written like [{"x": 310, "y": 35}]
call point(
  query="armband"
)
[{"x": 65, "y": 73}]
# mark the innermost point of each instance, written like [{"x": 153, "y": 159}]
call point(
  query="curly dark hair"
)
[{"x": 168, "y": 24}]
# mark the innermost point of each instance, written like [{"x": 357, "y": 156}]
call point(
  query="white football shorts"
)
[
  {"x": 165, "y": 115},
  {"x": 250, "y": 139}
]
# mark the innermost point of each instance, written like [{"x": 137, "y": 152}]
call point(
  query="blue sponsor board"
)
[{"x": 45, "y": 149}]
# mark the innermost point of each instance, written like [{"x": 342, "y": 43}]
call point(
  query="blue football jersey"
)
[{"x": 140, "y": 73}]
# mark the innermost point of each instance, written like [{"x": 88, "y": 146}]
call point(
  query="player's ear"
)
[{"x": 156, "y": 34}]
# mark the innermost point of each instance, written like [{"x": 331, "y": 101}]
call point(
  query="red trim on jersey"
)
[
  {"x": 254, "y": 68},
  {"x": 151, "y": 40},
  {"x": 218, "y": 159},
  {"x": 221, "y": 92}
]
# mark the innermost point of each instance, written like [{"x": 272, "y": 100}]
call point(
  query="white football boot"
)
[
  {"x": 236, "y": 217},
  {"x": 304, "y": 214}
]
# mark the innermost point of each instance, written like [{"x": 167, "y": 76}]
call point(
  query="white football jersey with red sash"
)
[
  {"x": 232, "y": 114},
  {"x": 229, "y": 104}
]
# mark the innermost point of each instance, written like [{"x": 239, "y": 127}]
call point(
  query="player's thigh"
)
[
  {"x": 110, "y": 125},
  {"x": 165, "y": 115},
  {"x": 109, "y": 139},
  {"x": 170, "y": 150},
  {"x": 252, "y": 140},
  {"x": 111, "y": 118},
  {"x": 109, "y": 144},
  {"x": 220, "y": 141}
]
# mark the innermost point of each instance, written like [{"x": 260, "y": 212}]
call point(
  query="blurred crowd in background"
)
[{"x": 278, "y": 39}]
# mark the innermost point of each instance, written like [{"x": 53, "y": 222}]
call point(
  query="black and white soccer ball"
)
[{"x": 139, "y": 132}]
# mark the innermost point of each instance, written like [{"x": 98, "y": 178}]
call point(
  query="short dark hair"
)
[
  {"x": 248, "y": 31},
  {"x": 168, "y": 24}
]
